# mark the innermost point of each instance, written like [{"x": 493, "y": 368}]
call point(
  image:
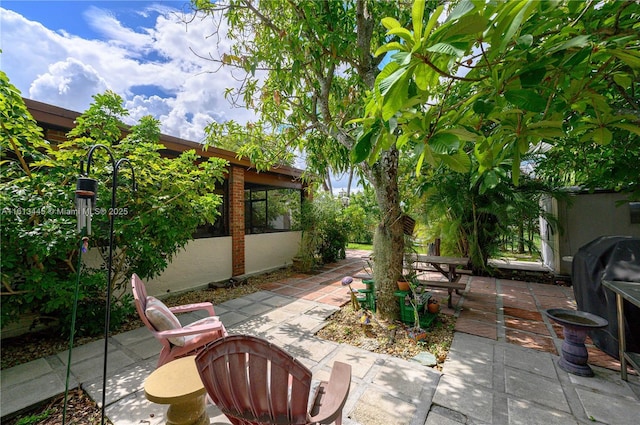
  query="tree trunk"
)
[
  {"x": 388, "y": 246},
  {"x": 521, "y": 237}
]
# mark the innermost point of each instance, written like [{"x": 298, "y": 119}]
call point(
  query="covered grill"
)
[{"x": 608, "y": 258}]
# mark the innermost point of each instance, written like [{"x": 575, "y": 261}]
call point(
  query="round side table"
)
[{"x": 178, "y": 384}]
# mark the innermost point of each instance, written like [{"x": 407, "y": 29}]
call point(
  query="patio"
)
[{"x": 500, "y": 369}]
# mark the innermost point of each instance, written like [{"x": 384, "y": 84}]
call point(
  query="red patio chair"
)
[
  {"x": 177, "y": 340},
  {"x": 253, "y": 381}
]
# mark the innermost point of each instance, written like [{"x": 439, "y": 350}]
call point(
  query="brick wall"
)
[{"x": 236, "y": 208}]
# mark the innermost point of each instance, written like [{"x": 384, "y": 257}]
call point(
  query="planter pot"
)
[
  {"x": 433, "y": 307},
  {"x": 403, "y": 285}
]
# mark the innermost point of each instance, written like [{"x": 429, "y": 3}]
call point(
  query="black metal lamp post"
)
[{"x": 85, "y": 199}]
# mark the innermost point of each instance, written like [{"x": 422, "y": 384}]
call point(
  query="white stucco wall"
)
[
  {"x": 588, "y": 216},
  {"x": 210, "y": 260},
  {"x": 200, "y": 262},
  {"x": 203, "y": 261},
  {"x": 270, "y": 250}
]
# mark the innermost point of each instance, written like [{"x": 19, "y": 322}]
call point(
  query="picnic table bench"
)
[
  {"x": 447, "y": 266},
  {"x": 450, "y": 267}
]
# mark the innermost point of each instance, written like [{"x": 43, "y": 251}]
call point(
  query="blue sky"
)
[{"x": 63, "y": 52}]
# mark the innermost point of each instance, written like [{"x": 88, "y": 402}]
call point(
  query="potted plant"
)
[
  {"x": 417, "y": 300},
  {"x": 403, "y": 284},
  {"x": 433, "y": 306},
  {"x": 417, "y": 334},
  {"x": 409, "y": 276}
]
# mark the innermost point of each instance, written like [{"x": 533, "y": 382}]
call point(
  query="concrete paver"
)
[
  {"x": 538, "y": 363},
  {"x": 609, "y": 409},
  {"x": 25, "y": 372},
  {"x": 405, "y": 378},
  {"x": 33, "y": 391},
  {"x": 377, "y": 407},
  {"x": 541, "y": 390},
  {"x": 360, "y": 360},
  {"x": 456, "y": 393},
  {"x": 436, "y": 418},
  {"x": 84, "y": 352},
  {"x": 523, "y": 412},
  {"x": 606, "y": 382}
]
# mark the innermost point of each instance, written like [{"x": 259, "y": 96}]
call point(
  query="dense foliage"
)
[
  {"x": 324, "y": 232},
  {"x": 361, "y": 215},
  {"x": 590, "y": 165},
  {"x": 40, "y": 244},
  {"x": 477, "y": 86}
]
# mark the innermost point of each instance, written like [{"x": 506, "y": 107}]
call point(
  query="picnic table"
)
[{"x": 447, "y": 266}]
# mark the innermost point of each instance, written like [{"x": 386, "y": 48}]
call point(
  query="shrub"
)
[
  {"x": 40, "y": 243},
  {"x": 324, "y": 231}
]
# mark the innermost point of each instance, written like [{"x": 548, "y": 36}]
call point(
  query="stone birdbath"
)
[{"x": 575, "y": 324}]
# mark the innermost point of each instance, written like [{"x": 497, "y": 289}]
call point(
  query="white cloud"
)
[
  {"x": 66, "y": 70},
  {"x": 27, "y": 49},
  {"x": 105, "y": 23},
  {"x": 140, "y": 106},
  {"x": 68, "y": 84}
]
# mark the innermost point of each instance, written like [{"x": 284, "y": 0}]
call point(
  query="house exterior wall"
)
[
  {"x": 201, "y": 261},
  {"x": 266, "y": 249},
  {"x": 204, "y": 260},
  {"x": 208, "y": 259},
  {"x": 581, "y": 219}
]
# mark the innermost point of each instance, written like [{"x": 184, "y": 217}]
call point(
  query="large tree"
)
[
  {"x": 468, "y": 84},
  {"x": 308, "y": 65}
]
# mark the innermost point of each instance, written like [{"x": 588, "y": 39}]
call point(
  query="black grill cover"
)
[{"x": 608, "y": 258}]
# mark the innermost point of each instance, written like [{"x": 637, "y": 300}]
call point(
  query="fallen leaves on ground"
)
[
  {"x": 80, "y": 410},
  {"x": 345, "y": 326}
]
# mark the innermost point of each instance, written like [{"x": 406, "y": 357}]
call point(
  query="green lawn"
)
[
  {"x": 423, "y": 250},
  {"x": 352, "y": 245}
]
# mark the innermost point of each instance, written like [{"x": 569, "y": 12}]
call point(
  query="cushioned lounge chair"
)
[{"x": 176, "y": 340}]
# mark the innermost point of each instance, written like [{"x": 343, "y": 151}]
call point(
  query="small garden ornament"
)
[
  {"x": 346, "y": 281},
  {"x": 365, "y": 319}
]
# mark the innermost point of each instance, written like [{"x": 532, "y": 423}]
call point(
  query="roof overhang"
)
[{"x": 54, "y": 117}]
